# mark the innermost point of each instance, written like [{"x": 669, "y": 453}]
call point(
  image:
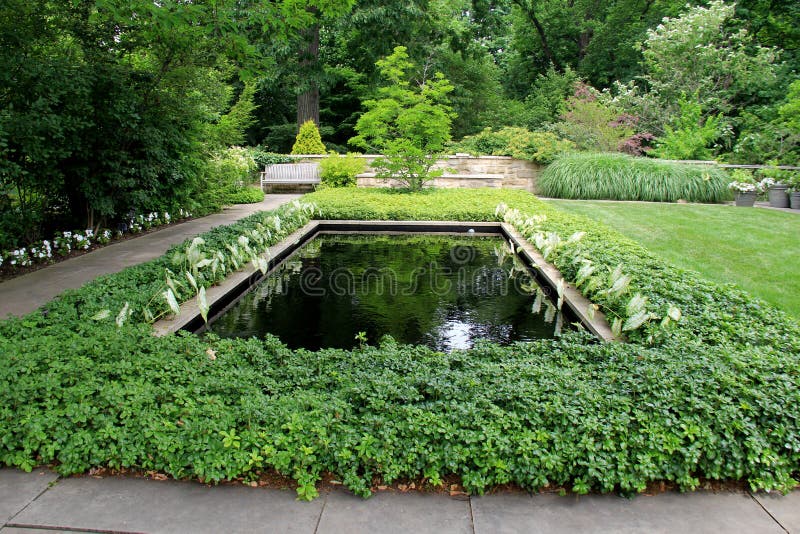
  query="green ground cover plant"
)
[
  {"x": 608, "y": 176},
  {"x": 720, "y": 242},
  {"x": 708, "y": 391},
  {"x": 245, "y": 195}
]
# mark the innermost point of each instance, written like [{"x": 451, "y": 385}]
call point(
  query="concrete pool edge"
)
[{"x": 222, "y": 296}]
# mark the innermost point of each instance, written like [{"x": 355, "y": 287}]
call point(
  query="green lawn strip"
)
[
  {"x": 754, "y": 248},
  {"x": 714, "y": 396}
]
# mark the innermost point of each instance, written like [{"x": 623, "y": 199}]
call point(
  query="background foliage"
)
[{"x": 108, "y": 107}]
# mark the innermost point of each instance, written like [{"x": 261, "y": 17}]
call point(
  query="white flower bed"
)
[{"x": 64, "y": 243}]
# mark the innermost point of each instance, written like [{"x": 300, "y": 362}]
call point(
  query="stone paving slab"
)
[
  {"x": 784, "y": 508},
  {"x": 118, "y": 504},
  {"x": 24, "y": 294},
  {"x": 140, "y": 505},
  {"x": 18, "y": 530},
  {"x": 18, "y": 489},
  {"x": 394, "y": 512},
  {"x": 668, "y": 513}
]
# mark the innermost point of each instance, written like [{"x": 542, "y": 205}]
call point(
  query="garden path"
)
[
  {"x": 24, "y": 294},
  {"x": 41, "y": 502}
]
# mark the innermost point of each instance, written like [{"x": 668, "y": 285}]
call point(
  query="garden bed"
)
[
  {"x": 705, "y": 388},
  {"x": 8, "y": 271}
]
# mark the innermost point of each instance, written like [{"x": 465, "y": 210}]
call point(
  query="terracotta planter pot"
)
[
  {"x": 746, "y": 200},
  {"x": 778, "y": 197}
]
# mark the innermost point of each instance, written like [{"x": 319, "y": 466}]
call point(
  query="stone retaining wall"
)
[{"x": 463, "y": 170}]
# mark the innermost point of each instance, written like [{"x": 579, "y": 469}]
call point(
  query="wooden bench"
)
[{"x": 290, "y": 174}]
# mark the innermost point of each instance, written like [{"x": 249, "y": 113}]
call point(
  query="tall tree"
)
[
  {"x": 319, "y": 12},
  {"x": 597, "y": 38}
]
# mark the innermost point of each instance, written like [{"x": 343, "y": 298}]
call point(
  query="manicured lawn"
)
[{"x": 757, "y": 249}]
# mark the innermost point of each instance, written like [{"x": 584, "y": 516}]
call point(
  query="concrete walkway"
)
[
  {"x": 26, "y": 293},
  {"x": 39, "y": 502}
]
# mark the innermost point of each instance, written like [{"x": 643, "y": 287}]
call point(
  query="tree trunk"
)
[
  {"x": 308, "y": 106},
  {"x": 308, "y": 100}
]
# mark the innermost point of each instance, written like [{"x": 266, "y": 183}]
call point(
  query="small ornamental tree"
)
[
  {"x": 308, "y": 140},
  {"x": 409, "y": 123}
]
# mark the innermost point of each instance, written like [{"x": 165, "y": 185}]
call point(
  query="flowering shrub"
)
[
  {"x": 64, "y": 243},
  {"x": 744, "y": 187},
  {"x": 743, "y": 182}
]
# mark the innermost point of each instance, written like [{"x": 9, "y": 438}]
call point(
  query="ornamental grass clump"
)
[{"x": 608, "y": 176}]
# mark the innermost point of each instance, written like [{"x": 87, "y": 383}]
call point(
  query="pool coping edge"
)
[{"x": 218, "y": 296}]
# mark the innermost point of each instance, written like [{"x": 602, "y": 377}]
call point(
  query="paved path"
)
[
  {"x": 40, "y": 502},
  {"x": 24, "y": 294}
]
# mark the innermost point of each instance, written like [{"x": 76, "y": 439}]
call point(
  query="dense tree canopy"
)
[{"x": 112, "y": 106}]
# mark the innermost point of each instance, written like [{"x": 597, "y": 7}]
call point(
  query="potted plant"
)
[
  {"x": 745, "y": 187},
  {"x": 794, "y": 191},
  {"x": 775, "y": 185}
]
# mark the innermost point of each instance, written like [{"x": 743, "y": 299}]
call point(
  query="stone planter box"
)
[
  {"x": 746, "y": 200},
  {"x": 778, "y": 197}
]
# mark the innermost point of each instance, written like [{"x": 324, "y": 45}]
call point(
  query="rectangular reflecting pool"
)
[{"x": 444, "y": 291}]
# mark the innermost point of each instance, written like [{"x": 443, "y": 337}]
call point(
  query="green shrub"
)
[
  {"x": 341, "y": 171},
  {"x": 623, "y": 177},
  {"x": 308, "y": 140},
  {"x": 226, "y": 172},
  {"x": 593, "y": 123},
  {"x": 690, "y": 136},
  {"x": 775, "y": 174},
  {"x": 263, "y": 157},
  {"x": 711, "y": 395},
  {"x": 245, "y": 195},
  {"x": 538, "y": 147}
]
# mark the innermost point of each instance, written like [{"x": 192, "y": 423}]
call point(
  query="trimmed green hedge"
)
[
  {"x": 245, "y": 195},
  {"x": 715, "y": 395},
  {"x": 608, "y": 176}
]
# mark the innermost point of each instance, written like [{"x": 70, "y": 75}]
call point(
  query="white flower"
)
[
  {"x": 68, "y": 234},
  {"x": 743, "y": 187}
]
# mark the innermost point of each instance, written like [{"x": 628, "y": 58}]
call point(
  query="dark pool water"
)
[{"x": 441, "y": 291}]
